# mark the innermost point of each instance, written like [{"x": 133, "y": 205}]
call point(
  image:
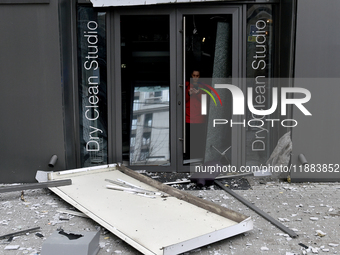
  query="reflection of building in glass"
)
[{"x": 149, "y": 139}]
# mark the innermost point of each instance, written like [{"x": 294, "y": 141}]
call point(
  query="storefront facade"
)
[
  {"x": 123, "y": 69},
  {"x": 132, "y": 64}
]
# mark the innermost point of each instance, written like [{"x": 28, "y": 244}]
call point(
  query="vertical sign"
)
[
  {"x": 92, "y": 86},
  {"x": 259, "y": 73}
]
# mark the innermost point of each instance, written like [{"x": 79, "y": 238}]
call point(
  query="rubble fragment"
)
[
  {"x": 39, "y": 235},
  {"x": 303, "y": 245},
  {"x": 12, "y": 247},
  {"x": 284, "y": 220},
  {"x": 320, "y": 233},
  {"x": 314, "y": 250}
]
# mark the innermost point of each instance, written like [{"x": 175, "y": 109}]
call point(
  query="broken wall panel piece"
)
[
  {"x": 160, "y": 226},
  {"x": 60, "y": 242}
]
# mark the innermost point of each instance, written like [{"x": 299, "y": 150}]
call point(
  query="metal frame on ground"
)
[{"x": 170, "y": 223}]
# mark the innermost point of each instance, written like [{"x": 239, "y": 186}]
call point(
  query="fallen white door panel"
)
[{"x": 151, "y": 225}]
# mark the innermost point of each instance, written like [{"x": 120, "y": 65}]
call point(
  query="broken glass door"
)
[{"x": 207, "y": 53}]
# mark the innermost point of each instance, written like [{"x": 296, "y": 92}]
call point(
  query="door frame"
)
[
  {"x": 237, "y": 12},
  {"x": 176, "y": 78},
  {"x": 114, "y": 86}
]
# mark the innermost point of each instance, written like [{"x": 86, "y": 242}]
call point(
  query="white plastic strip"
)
[{"x": 106, "y": 3}]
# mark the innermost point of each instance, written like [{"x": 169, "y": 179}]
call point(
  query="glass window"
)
[
  {"x": 260, "y": 52},
  {"x": 208, "y": 55},
  {"x": 150, "y": 131},
  {"x": 134, "y": 123},
  {"x": 91, "y": 29},
  {"x": 145, "y": 72},
  {"x": 146, "y": 138},
  {"x": 148, "y": 120}
]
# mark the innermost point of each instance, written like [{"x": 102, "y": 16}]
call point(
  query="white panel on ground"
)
[{"x": 160, "y": 225}]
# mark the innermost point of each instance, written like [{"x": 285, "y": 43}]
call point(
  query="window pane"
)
[
  {"x": 208, "y": 53},
  {"x": 145, "y": 72},
  {"x": 150, "y": 131}
]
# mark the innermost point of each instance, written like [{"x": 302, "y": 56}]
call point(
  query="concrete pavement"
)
[{"x": 312, "y": 210}]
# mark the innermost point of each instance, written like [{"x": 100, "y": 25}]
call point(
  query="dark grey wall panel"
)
[
  {"x": 31, "y": 119},
  {"x": 317, "y": 56},
  {"x": 317, "y": 39},
  {"x": 316, "y": 136}
]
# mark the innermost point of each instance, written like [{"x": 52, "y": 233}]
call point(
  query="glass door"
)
[
  {"x": 143, "y": 88},
  {"x": 145, "y": 83},
  {"x": 209, "y": 54},
  {"x": 155, "y": 54}
]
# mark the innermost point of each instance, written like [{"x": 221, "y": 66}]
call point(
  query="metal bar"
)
[
  {"x": 134, "y": 190},
  {"x": 85, "y": 169},
  {"x": 129, "y": 184},
  {"x": 120, "y": 188},
  {"x": 177, "y": 182},
  {"x": 184, "y": 88},
  {"x": 21, "y": 232},
  {"x": 290, "y": 232},
  {"x": 74, "y": 213},
  {"x": 118, "y": 183},
  {"x": 39, "y": 185},
  {"x": 131, "y": 187}
]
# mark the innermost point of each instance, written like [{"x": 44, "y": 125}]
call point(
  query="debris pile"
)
[{"x": 312, "y": 210}]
